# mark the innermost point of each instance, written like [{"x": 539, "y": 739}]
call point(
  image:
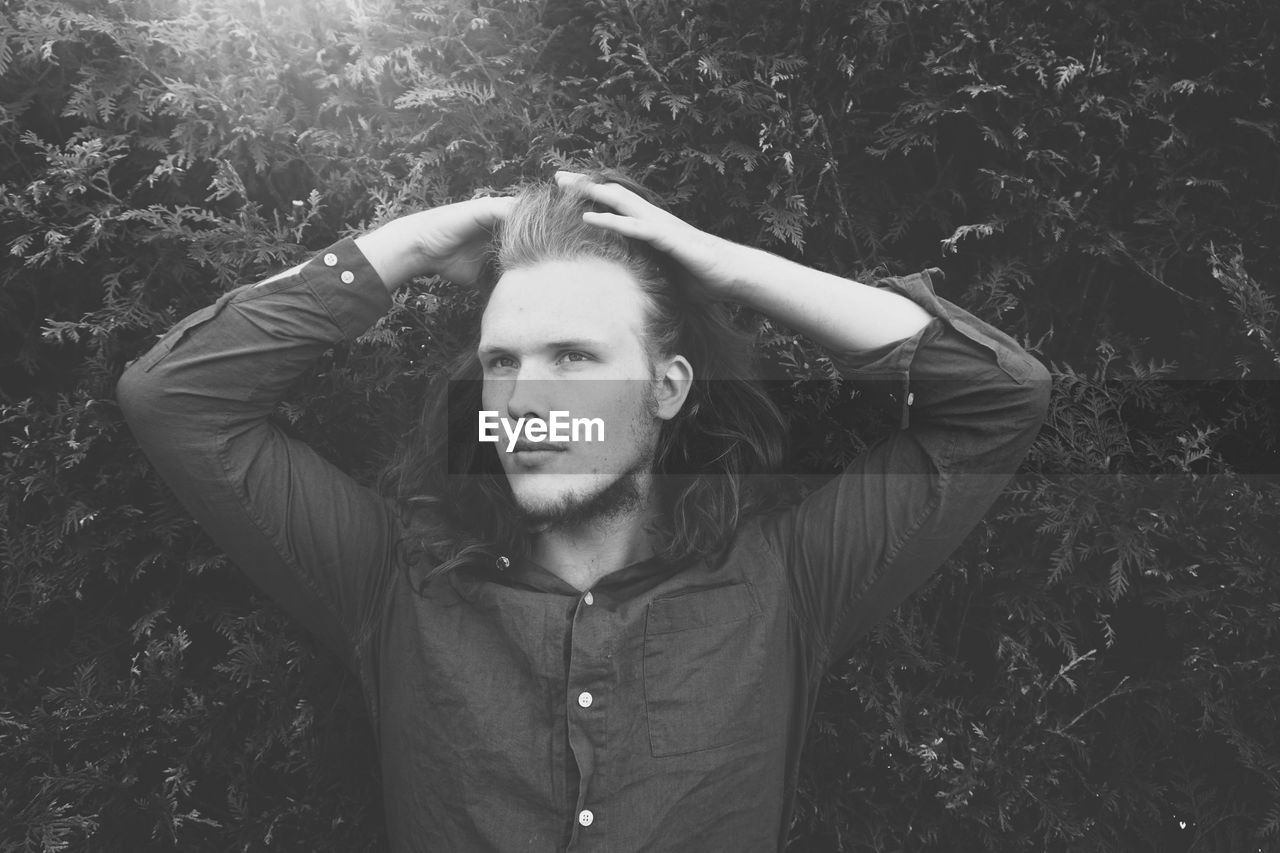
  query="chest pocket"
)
[{"x": 703, "y": 663}]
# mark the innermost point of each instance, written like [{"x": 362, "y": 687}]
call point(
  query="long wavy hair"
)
[{"x": 711, "y": 460}]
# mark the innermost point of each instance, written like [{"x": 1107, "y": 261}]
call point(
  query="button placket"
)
[{"x": 589, "y": 664}]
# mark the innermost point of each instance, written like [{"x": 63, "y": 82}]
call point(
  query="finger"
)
[
  {"x": 627, "y": 226},
  {"x": 621, "y": 199},
  {"x": 498, "y": 206},
  {"x": 611, "y": 195},
  {"x": 491, "y": 210},
  {"x": 565, "y": 178}
]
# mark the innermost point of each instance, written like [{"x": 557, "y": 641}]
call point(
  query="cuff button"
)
[
  {"x": 331, "y": 260},
  {"x": 347, "y": 276}
]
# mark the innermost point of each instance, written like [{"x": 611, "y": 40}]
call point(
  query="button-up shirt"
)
[{"x": 664, "y": 709}]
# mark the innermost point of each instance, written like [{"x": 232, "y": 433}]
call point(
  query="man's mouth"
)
[{"x": 538, "y": 447}]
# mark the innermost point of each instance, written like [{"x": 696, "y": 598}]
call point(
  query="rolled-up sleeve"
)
[
  {"x": 971, "y": 402},
  {"x": 198, "y": 403}
]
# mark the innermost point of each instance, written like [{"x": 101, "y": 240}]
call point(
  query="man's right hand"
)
[{"x": 448, "y": 241}]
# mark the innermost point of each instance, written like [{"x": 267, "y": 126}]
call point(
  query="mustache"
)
[{"x": 525, "y": 444}]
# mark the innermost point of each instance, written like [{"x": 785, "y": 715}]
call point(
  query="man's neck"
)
[{"x": 582, "y": 555}]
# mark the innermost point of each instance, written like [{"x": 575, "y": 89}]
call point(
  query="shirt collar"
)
[{"x": 526, "y": 573}]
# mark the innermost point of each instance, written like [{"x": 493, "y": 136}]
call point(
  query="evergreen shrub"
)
[{"x": 1094, "y": 669}]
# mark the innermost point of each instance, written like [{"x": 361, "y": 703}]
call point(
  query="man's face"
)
[{"x": 567, "y": 336}]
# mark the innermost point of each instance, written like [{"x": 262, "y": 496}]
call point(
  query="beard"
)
[{"x": 620, "y": 497}]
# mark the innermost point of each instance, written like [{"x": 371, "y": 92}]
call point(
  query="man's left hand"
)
[{"x": 713, "y": 264}]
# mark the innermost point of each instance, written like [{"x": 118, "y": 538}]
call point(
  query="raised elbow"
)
[{"x": 134, "y": 392}]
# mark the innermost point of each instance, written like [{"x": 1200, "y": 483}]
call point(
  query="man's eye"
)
[
  {"x": 501, "y": 361},
  {"x": 574, "y": 355}
]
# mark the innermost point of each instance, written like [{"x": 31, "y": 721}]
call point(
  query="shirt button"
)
[
  {"x": 584, "y": 699},
  {"x": 589, "y": 598},
  {"x": 911, "y": 398},
  {"x": 331, "y": 260},
  {"x": 347, "y": 276},
  {"x": 585, "y": 817}
]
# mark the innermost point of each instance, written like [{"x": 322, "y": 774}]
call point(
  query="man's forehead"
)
[{"x": 563, "y": 302}]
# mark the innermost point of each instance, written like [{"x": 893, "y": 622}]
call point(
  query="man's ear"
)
[{"x": 672, "y": 385}]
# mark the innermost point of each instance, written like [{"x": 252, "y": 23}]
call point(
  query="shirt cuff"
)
[
  {"x": 890, "y": 365},
  {"x": 347, "y": 285},
  {"x": 888, "y": 368}
]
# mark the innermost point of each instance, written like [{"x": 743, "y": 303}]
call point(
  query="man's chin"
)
[{"x": 575, "y": 505}]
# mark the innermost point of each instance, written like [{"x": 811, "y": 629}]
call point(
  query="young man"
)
[{"x": 583, "y": 666}]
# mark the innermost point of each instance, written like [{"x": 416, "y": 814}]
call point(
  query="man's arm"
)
[
  {"x": 841, "y": 315},
  {"x": 972, "y": 401},
  {"x": 198, "y": 403}
]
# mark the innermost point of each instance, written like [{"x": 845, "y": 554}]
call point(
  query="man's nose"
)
[{"x": 531, "y": 393}]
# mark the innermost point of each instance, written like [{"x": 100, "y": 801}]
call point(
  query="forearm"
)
[
  {"x": 970, "y": 394},
  {"x": 451, "y": 241},
  {"x": 394, "y": 253},
  {"x": 224, "y": 368},
  {"x": 958, "y": 377},
  {"x": 840, "y": 314}
]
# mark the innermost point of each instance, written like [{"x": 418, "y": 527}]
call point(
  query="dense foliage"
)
[{"x": 1095, "y": 669}]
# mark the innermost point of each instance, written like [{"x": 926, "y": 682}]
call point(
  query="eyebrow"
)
[{"x": 570, "y": 343}]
